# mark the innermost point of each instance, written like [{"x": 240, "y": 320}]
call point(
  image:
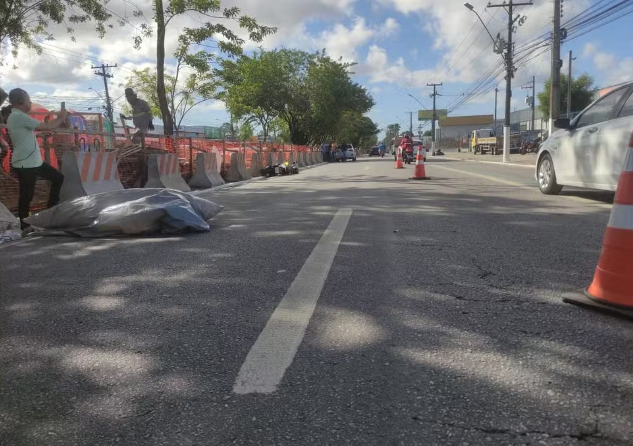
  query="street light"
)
[
  {"x": 472, "y": 8},
  {"x": 416, "y": 100}
]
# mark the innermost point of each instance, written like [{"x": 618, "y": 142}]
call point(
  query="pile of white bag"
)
[{"x": 128, "y": 212}]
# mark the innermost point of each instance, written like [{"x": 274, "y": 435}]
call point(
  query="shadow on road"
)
[{"x": 449, "y": 328}]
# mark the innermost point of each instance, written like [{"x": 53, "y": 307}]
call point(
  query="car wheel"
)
[
  {"x": 353, "y": 159},
  {"x": 547, "y": 176}
]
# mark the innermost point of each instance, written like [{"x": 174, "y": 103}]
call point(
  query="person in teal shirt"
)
[{"x": 26, "y": 158}]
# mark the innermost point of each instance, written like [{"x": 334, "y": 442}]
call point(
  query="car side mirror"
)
[{"x": 562, "y": 123}]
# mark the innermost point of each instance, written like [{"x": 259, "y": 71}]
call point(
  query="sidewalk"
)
[{"x": 528, "y": 160}]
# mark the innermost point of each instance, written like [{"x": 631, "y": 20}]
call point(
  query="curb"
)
[{"x": 489, "y": 162}]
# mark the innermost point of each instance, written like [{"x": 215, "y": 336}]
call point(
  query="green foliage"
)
[
  {"x": 279, "y": 130},
  {"x": 428, "y": 133},
  {"x": 23, "y": 21},
  {"x": 212, "y": 32},
  {"x": 393, "y": 130},
  {"x": 228, "y": 130},
  {"x": 582, "y": 91},
  {"x": 252, "y": 86},
  {"x": 357, "y": 129},
  {"x": 309, "y": 92},
  {"x": 246, "y": 131}
]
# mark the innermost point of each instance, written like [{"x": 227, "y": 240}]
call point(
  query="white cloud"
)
[
  {"x": 379, "y": 69},
  {"x": 391, "y": 26},
  {"x": 613, "y": 70},
  {"x": 342, "y": 42}
]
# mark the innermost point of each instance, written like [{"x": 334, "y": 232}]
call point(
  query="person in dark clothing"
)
[{"x": 325, "y": 152}]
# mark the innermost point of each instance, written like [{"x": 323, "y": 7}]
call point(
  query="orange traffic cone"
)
[
  {"x": 612, "y": 286},
  {"x": 399, "y": 163},
  {"x": 420, "y": 173}
]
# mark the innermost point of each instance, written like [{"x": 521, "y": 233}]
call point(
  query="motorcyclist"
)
[
  {"x": 381, "y": 149},
  {"x": 407, "y": 146}
]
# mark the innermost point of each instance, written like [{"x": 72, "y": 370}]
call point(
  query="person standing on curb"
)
[
  {"x": 27, "y": 159},
  {"x": 141, "y": 115},
  {"x": 325, "y": 152}
]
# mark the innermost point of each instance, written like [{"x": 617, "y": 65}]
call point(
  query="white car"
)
[
  {"x": 590, "y": 150},
  {"x": 350, "y": 152}
]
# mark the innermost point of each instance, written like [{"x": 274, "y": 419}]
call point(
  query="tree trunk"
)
[{"x": 168, "y": 122}]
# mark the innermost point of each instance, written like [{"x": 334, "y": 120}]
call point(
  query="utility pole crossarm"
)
[{"x": 514, "y": 5}]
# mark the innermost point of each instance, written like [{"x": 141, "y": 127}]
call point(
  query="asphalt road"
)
[{"x": 439, "y": 320}]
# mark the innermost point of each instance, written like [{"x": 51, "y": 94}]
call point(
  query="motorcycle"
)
[
  {"x": 530, "y": 146},
  {"x": 408, "y": 156}
]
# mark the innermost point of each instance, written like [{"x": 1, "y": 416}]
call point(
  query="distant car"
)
[
  {"x": 416, "y": 146},
  {"x": 347, "y": 152},
  {"x": 374, "y": 151},
  {"x": 350, "y": 152},
  {"x": 590, "y": 150}
]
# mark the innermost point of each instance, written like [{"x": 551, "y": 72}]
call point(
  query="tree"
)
[
  {"x": 227, "y": 42},
  {"x": 23, "y": 21},
  {"x": 356, "y": 129},
  {"x": 246, "y": 131},
  {"x": 252, "y": 87},
  {"x": 582, "y": 92},
  {"x": 279, "y": 130},
  {"x": 315, "y": 93},
  {"x": 183, "y": 91},
  {"x": 393, "y": 130},
  {"x": 428, "y": 133},
  {"x": 228, "y": 129}
]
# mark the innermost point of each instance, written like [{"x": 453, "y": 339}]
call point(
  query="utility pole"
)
[
  {"x": 531, "y": 86},
  {"x": 533, "y": 100},
  {"x": 105, "y": 76},
  {"x": 434, "y": 95},
  {"x": 569, "y": 86},
  {"x": 411, "y": 123},
  {"x": 509, "y": 5},
  {"x": 495, "y": 124},
  {"x": 557, "y": 63}
]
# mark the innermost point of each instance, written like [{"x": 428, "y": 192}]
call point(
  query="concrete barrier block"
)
[
  {"x": 87, "y": 173},
  {"x": 206, "y": 174},
  {"x": 242, "y": 167},
  {"x": 234, "y": 174},
  {"x": 163, "y": 171},
  {"x": 256, "y": 166}
]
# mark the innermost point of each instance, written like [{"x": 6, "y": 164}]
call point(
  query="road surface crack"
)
[
  {"x": 582, "y": 435},
  {"x": 467, "y": 299}
]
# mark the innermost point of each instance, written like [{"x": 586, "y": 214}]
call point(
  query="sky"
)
[{"x": 399, "y": 47}]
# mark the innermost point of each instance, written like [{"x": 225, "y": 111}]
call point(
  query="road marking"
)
[
  {"x": 491, "y": 162},
  {"x": 277, "y": 344},
  {"x": 486, "y": 177},
  {"x": 585, "y": 201}
]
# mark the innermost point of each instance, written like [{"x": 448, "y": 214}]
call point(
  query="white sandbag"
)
[{"x": 127, "y": 212}]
